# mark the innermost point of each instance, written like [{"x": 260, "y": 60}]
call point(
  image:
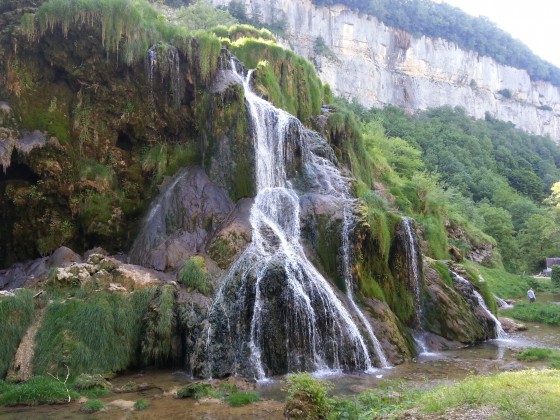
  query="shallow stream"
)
[{"x": 426, "y": 371}]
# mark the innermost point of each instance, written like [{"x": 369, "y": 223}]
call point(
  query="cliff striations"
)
[{"x": 363, "y": 59}]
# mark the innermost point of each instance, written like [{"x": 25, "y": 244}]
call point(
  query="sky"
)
[{"x": 534, "y": 22}]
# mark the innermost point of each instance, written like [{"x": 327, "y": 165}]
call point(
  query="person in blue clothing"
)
[{"x": 531, "y": 295}]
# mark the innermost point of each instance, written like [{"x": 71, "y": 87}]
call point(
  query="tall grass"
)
[
  {"x": 516, "y": 395},
  {"x": 549, "y": 313},
  {"x": 98, "y": 334},
  {"x": 159, "y": 329},
  {"x": 16, "y": 314}
]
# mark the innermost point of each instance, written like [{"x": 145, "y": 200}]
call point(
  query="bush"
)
[
  {"x": 92, "y": 406},
  {"x": 141, "y": 404},
  {"x": 195, "y": 276},
  {"x": 195, "y": 390},
  {"x": 308, "y": 397},
  {"x": 555, "y": 276}
]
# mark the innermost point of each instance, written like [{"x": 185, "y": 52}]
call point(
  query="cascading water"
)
[
  {"x": 500, "y": 333},
  {"x": 346, "y": 229},
  {"x": 414, "y": 276},
  {"x": 275, "y": 313},
  {"x": 164, "y": 59},
  {"x": 502, "y": 303},
  {"x": 414, "y": 279}
]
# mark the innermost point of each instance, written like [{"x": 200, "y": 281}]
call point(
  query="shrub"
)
[
  {"x": 237, "y": 399},
  {"x": 92, "y": 406},
  {"x": 195, "y": 390},
  {"x": 141, "y": 404},
  {"x": 195, "y": 276},
  {"x": 308, "y": 397}
]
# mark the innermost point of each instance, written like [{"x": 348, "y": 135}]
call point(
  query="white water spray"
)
[
  {"x": 500, "y": 333},
  {"x": 317, "y": 331}
]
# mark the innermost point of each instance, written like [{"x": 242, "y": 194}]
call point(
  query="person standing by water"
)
[{"x": 531, "y": 295}]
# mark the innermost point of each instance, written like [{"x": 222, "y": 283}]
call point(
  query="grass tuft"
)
[{"x": 237, "y": 399}]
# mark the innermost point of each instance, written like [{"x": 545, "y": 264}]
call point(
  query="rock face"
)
[{"x": 377, "y": 65}]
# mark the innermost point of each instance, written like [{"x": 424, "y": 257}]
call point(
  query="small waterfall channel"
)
[
  {"x": 415, "y": 279},
  {"x": 500, "y": 333},
  {"x": 274, "y": 312}
]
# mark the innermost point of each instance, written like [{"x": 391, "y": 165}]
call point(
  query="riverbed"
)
[{"x": 427, "y": 370}]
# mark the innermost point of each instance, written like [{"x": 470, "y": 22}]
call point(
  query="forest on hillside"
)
[
  {"x": 481, "y": 173},
  {"x": 424, "y": 17}
]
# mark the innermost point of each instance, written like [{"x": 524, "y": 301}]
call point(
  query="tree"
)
[
  {"x": 200, "y": 14},
  {"x": 554, "y": 198}
]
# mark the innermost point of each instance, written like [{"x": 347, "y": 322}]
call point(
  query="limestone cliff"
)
[{"x": 377, "y": 65}]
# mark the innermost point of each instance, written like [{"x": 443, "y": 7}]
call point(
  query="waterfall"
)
[
  {"x": 346, "y": 229},
  {"x": 500, "y": 333},
  {"x": 274, "y": 312},
  {"x": 502, "y": 303},
  {"x": 165, "y": 59},
  {"x": 414, "y": 275}
]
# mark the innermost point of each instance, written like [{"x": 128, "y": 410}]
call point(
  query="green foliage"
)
[
  {"x": 141, "y": 404},
  {"x": 321, "y": 48},
  {"x": 549, "y": 313},
  {"x": 507, "y": 285},
  {"x": 201, "y": 14},
  {"x": 538, "y": 354},
  {"x": 92, "y": 406},
  {"x": 308, "y": 397},
  {"x": 38, "y": 390},
  {"x": 196, "y": 390},
  {"x": 194, "y": 275},
  {"x": 16, "y": 314},
  {"x": 240, "y": 398},
  {"x": 287, "y": 80},
  {"x": 97, "y": 334},
  {"x": 555, "y": 276}
]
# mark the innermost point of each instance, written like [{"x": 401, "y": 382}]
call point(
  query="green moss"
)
[
  {"x": 16, "y": 315},
  {"x": 196, "y": 390},
  {"x": 287, "y": 80},
  {"x": 327, "y": 245},
  {"x": 443, "y": 271},
  {"x": 159, "y": 328}
]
